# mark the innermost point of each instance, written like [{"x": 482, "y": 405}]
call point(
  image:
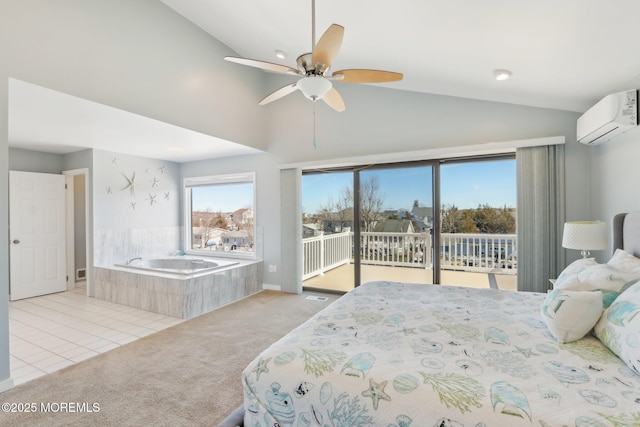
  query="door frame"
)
[{"x": 69, "y": 215}]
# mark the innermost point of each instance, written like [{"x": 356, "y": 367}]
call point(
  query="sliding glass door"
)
[
  {"x": 327, "y": 230},
  {"x": 478, "y": 223},
  {"x": 381, "y": 232},
  {"x": 395, "y": 223},
  {"x": 445, "y": 222}
]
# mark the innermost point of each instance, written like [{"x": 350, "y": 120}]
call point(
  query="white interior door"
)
[{"x": 37, "y": 234}]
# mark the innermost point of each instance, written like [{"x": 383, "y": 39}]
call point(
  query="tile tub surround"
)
[
  {"x": 115, "y": 245},
  {"x": 175, "y": 295}
]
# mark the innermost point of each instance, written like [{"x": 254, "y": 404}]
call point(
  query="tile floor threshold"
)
[{"x": 51, "y": 332}]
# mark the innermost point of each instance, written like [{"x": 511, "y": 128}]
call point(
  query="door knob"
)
[{"x": 16, "y": 241}]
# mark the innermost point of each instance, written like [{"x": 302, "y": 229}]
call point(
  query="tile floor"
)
[{"x": 54, "y": 331}]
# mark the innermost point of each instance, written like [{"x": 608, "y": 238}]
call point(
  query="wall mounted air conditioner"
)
[{"x": 611, "y": 116}]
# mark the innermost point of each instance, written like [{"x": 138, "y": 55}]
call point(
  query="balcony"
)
[{"x": 474, "y": 260}]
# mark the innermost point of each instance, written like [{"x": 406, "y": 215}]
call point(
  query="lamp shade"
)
[{"x": 585, "y": 235}]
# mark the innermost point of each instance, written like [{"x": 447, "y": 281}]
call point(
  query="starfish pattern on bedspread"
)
[{"x": 376, "y": 392}]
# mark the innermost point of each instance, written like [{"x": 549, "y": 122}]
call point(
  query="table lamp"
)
[{"x": 585, "y": 236}]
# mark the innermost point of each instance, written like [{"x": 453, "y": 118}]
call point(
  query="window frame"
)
[{"x": 201, "y": 181}]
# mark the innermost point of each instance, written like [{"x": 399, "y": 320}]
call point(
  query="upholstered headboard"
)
[{"x": 626, "y": 232}]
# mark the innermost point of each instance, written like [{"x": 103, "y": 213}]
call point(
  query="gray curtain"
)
[
  {"x": 291, "y": 231},
  {"x": 541, "y": 213}
]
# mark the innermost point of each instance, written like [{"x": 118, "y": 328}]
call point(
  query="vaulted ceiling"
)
[{"x": 562, "y": 54}]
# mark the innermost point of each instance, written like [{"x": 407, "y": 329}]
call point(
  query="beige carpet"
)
[{"x": 188, "y": 375}]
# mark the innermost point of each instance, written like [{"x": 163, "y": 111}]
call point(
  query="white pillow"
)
[
  {"x": 595, "y": 277},
  {"x": 626, "y": 263},
  {"x": 619, "y": 327},
  {"x": 602, "y": 276},
  {"x": 570, "y": 315},
  {"x": 571, "y": 272}
]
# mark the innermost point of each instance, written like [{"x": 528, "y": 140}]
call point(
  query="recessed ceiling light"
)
[
  {"x": 502, "y": 74},
  {"x": 281, "y": 54}
]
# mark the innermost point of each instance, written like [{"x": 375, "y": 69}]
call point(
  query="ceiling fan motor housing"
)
[{"x": 305, "y": 64}]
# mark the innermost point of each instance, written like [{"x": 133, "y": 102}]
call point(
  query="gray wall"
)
[
  {"x": 117, "y": 206},
  {"x": 143, "y": 222},
  {"x": 614, "y": 179},
  {"x": 380, "y": 120},
  {"x": 35, "y": 161},
  {"x": 5, "y": 381}
]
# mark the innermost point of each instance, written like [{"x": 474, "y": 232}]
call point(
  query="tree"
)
[
  {"x": 495, "y": 220},
  {"x": 371, "y": 201},
  {"x": 220, "y": 221},
  {"x": 337, "y": 210},
  {"x": 454, "y": 220},
  {"x": 485, "y": 219}
]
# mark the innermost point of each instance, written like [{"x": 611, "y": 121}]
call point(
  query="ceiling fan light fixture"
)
[
  {"x": 281, "y": 54},
  {"x": 501, "y": 74},
  {"x": 314, "y": 87}
]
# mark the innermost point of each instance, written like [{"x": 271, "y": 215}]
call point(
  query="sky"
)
[
  {"x": 222, "y": 198},
  {"x": 465, "y": 185}
]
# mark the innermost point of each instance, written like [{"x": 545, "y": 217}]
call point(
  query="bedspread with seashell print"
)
[{"x": 398, "y": 355}]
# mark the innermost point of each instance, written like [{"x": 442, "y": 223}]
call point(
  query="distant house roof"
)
[
  {"x": 212, "y": 232},
  {"x": 344, "y": 215},
  {"x": 394, "y": 226},
  {"x": 238, "y": 233},
  {"x": 422, "y": 212},
  {"x": 312, "y": 226}
]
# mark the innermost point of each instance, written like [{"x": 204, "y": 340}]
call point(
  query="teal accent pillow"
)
[
  {"x": 619, "y": 327},
  {"x": 608, "y": 297}
]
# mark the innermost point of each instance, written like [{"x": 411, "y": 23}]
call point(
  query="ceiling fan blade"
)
[
  {"x": 283, "y": 91},
  {"x": 269, "y": 66},
  {"x": 328, "y": 47},
  {"x": 334, "y": 100},
  {"x": 366, "y": 76}
]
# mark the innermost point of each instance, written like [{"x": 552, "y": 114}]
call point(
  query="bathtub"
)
[
  {"x": 177, "y": 265},
  {"x": 181, "y": 287}
]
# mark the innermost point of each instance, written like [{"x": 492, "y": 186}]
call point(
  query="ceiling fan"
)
[{"x": 314, "y": 67}]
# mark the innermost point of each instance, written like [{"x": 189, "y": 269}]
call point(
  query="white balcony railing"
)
[
  {"x": 466, "y": 252},
  {"x": 479, "y": 252}
]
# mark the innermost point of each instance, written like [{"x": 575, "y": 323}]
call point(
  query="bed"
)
[{"x": 399, "y": 355}]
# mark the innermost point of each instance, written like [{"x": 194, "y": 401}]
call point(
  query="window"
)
[{"x": 220, "y": 215}]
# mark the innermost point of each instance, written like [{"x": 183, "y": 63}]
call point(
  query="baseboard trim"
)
[
  {"x": 267, "y": 286},
  {"x": 6, "y": 385}
]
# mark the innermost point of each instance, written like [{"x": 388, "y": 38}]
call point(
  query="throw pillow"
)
[
  {"x": 619, "y": 327},
  {"x": 570, "y": 315}
]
